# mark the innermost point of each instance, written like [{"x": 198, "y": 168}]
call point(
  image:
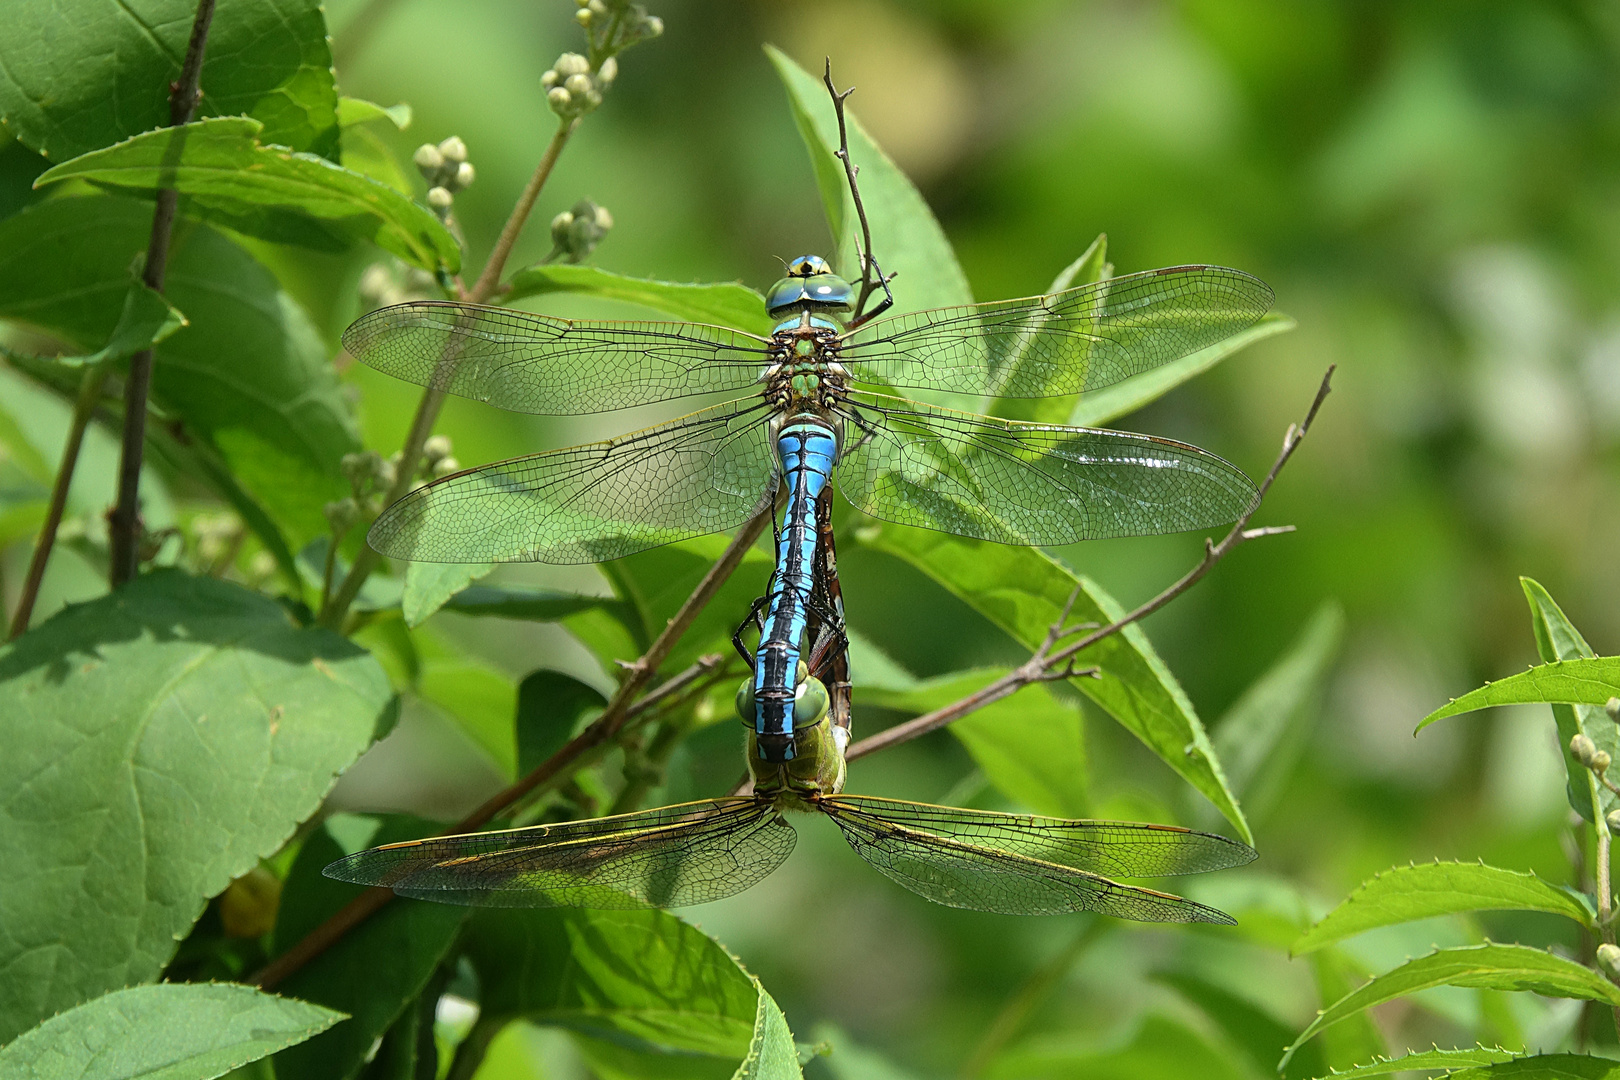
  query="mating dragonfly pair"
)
[{"x": 816, "y": 407}]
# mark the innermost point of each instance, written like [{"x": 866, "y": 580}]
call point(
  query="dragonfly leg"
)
[{"x": 755, "y": 621}]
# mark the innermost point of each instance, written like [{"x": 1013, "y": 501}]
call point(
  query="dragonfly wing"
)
[
  {"x": 539, "y": 364},
  {"x": 1071, "y": 341},
  {"x": 670, "y": 857},
  {"x": 956, "y": 861},
  {"x": 706, "y": 472},
  {"x": 1018, "y": 483}
]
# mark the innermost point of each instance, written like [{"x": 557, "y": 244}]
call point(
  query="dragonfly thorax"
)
[{"x": 804, "y": 374}]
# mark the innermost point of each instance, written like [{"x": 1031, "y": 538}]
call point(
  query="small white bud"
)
[
  {"x": 453, "y": 149},
  {"x": 440, "y": 198},
  {"x": 604, "y": 220},
  {"x": 596, "y": 6},
  {"x": 557, "y": 98},
  {"x": 1609, "y": 956},
  {"x": 549, "y": 79},
  {"x": 1613, "y": 819},
  {"x": 652, "y": 26},
  {"x": 436, "y": 447},
  {"x": 1600, "y": 762},
  {"x": 464, "y": 176},
  {"x": 428, "y": 159},
  {"x": 445, "y": 466},
  {"x": 1582, "y": 748},
  {"x": 583, "y": 16},
  {"x": 608, "y": 71},
  {"x": 572, "y": 64},
  {"x": 1612, "y": 707},
  {"x": 578, "y": 85}
]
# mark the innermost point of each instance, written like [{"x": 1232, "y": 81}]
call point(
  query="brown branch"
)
[
  {"x": 1048, "y": 657},
  {"x": 83, "y": 409},
  {"x": 850, "y": 171},
  {"x": 125, "y": 519},
  {"x": 427, "y": 410},
  {"x": 572, "y": 755}
]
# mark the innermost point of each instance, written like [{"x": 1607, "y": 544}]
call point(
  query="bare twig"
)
[
  {"x": 125, "y": 519},
  {"x": 83, "y": 409},
  {"x": 1047, "y": 658},
  {"x": 850, "y": 171},
  {"x": 573, "y": 754},
  {"x": 427, "y": 410}
]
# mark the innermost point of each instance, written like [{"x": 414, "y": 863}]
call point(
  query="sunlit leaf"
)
[
  {"x": 268, "y": 59},
  {"x": 1585, "y": 681},
  {"x": 160, "y": 741},
  {"x": 1406, "y": 893},
  {"x": 906, "y": 238},
  {"x": 1092, "y": 266},
  {"x": 428, "y": 586},
  {"x": 1545, "y": 1067},
  {"x": 175, "y": 1031},
  {"x": 1557, "y": 639},
  {"x": 1023, "y": 591},
  {"x": 1485, "y": 967},
  {"x": 1030, "y": 745},
  {"x": 724, "y": 304},
  {"x": 1460, "y": 1058},
  {"x": 268, "y": 191}
]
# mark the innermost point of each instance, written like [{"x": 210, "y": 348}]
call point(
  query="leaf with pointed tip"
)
[
  {"x": 720, "y": 304},
  {"x": 1089, "y": 268},
  {"x": 906, "y": 238},
  {"x": 1557, "y": 639},
  {"x": 429, "y": 586},
  {"x": 268, "y": 191},
  {"x": 173, "y": 1031},
  {"x": 1407, "y": 893},
  {"x": 159, "y": 741},
  {"x": 1584, "y": 681},
  {"x": 1023, "y": 591},
  {"x": 1545, "y": 1067},
  {"x": 1424, "y": 1060},
  {"x": 1484, "y": 967}
]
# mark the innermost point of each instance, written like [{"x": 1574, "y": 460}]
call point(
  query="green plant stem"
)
[
  {"x": 1016, "y": 1012},
  {"x": 577, "y": 751},
  {"x": 337, "y": 606},
  {"x": 83, "y": 408},
  {"x": 125, "y": 520}
]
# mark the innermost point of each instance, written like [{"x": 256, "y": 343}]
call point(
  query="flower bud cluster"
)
[
  {"x": 572, "y": 88},
  {"x": 1585, "y": 751},
  {"x": 575, "y": 233},
  {"x": 615, "y": 25},
  {"x": 446, "y": 169},
  {"x": 437, "y": 460}
]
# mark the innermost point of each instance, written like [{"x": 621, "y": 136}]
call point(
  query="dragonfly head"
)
[
  {"x": 810, "y": 761},
  {"x": 810, "y": 285}
]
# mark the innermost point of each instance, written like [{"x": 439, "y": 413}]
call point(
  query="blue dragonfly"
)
[
  {"x": 812, "y": 404},
  {"x": 701, "y": 851}
]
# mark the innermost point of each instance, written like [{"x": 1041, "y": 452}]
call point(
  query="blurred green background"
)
[{"x": 1434, "y": 192}]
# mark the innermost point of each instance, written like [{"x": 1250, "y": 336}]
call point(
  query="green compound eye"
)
[
  {"x": 810, "y": 703},
  {"x": 745, "y": 701}
]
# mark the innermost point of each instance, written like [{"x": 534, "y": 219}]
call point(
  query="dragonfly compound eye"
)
[
  {"x": 745, "y": 701},
  {"x": 810, "y": 703}
]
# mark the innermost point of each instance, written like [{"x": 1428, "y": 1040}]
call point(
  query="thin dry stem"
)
[{"x": 1045, "y": 660}]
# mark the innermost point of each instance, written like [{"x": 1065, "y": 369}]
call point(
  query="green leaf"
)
[
  {"x": 1407, "y": 893},
  {"x": 536, "y": 605},
  {"x": 1160, "y": 1049},
  {"x": 429, "y": 585},
  {"x": 1030, "y": 745},
  {"x": 374, "y": 971},
  {"x": 352, "y": 112},
  {"x": 1557, "y": 639},
  {"x": 480, "y": 699},
  {"x": 268, "y": 59},
  {"x": 1484, "y": 967},
  {"x": 1255, "y": 734},
  {"x": 724, "y": 304},
  {"x": 644, "y": 993},
  {"x": 1585, "y": 681},
  {"x": 906, "y": 238},
  {"x": 1248, "y": 1027},
  {"x": 160, "y": 741},
  {"x": 1545, "y": 1067},
  {"x": 1112, "y": 402},
  {"x": 1023, "y": 591},
  {"x": 147, "y": 319},
  {"x": 550, "y": 706},
  {"x": 1090, "y": 267},
  {"x": 250, "y": 374},
  {"x": 1356, "y": 1038},
  {"x": 175, "y": 1031},
  {"x": 1425, "y": 1060},
  {"x": 267, "y": 190}
]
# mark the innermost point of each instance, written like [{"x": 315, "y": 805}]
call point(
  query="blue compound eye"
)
[{"x": 810, "y": 703}]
